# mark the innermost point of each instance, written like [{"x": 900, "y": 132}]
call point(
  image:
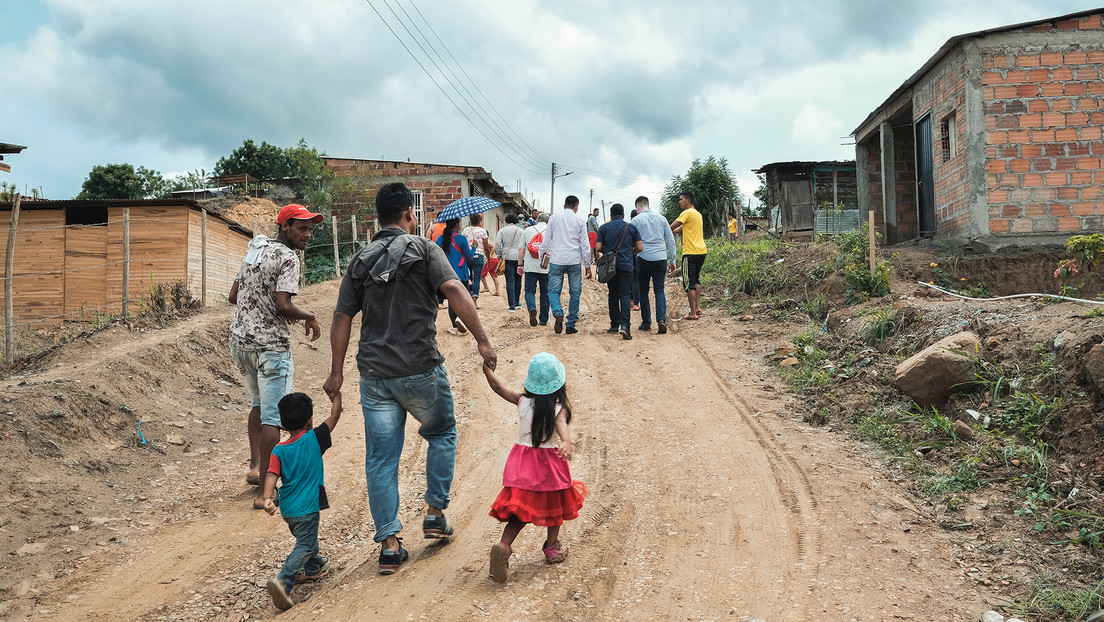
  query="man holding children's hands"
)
[{"x": 394, "y": 282}]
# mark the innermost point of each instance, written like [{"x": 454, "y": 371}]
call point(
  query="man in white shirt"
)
[
  {"x": 534, "y": 273},
  {"x": 566, "y": 245}
]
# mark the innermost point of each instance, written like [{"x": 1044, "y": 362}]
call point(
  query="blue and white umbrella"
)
[{"x": 466, "y": 206}]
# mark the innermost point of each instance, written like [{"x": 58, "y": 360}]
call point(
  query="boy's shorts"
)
[
  {"x": 267, "y": 377},
  {"x": 691, "y": 270}
]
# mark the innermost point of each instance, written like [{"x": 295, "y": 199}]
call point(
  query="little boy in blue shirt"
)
[{"x": 298, "y": 462}]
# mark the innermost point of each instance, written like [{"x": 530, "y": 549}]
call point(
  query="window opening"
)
[
  {"x": 947, "y": 137},
  {"x": 86, "y": 216}
]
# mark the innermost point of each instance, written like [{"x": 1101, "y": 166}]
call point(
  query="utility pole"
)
[
  {"x": 552, "y": 197},
  {"x": 591, "y": 208}
]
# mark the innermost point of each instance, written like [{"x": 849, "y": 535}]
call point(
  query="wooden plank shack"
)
[{"x": 69, "y": 255}]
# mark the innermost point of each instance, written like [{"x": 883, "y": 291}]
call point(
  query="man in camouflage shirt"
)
[{"x": 259, "y": 338}]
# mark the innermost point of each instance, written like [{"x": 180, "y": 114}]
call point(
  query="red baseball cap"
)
[{"x": 297, "y": 212}]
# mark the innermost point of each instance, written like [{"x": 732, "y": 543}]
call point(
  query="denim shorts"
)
[{"x": 267, "y": 377}]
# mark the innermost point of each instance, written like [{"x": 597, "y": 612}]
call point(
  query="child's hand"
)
[
  {"x": 565, "y": 450},
  {"x": 487, "y": 371},
  {"x": 270, "y": 507}
]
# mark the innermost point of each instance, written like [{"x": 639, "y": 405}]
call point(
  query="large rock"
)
[
  {"x": 1094, "y": 367},
  {"x": 929, "y": 377}
]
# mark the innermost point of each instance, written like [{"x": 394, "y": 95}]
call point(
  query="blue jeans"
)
[
  {"x": 620, "y": 291},
  {"x": 513, "y": 284},
  {"x": 267, "y": 377},
  {"x": 304, "y": 556},
  {"x": 475, "y": 269},
  {"x": 574, "y": 274},
  {"x": 385, "y": 403},
  {"x": 655, "y": 272},
  {"x": 531, "y": 281},
  {"x": 636, "y": 286}
]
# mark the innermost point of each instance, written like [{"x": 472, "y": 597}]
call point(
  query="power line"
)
[
  {"x": 544, "y": 161},
  {"x": 470, "y": 99},
  {"x": 445, "y": 93}
]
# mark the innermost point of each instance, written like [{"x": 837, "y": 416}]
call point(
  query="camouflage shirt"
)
[{"x": 256, "y": 326}]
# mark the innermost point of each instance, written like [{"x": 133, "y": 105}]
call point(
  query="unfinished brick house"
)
[
  {"x": 434, "y": 187},
  {"x": 995, "y": 140}
]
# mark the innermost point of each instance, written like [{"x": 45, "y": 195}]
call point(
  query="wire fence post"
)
[
  {"x": 302, "y": 268},
  {"x": 354, "y": 233},
  {"x": 337, "y": 256},
  {"x": 203, "y": 257},
  {"x": 9, "y": 267},
  {"x": 126, "y": 259}
]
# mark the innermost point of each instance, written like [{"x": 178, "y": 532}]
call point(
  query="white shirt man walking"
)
[{"x": 566, "y": 245}]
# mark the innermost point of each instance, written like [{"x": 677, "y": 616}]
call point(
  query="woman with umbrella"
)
[{"x": 459, "y": 254}]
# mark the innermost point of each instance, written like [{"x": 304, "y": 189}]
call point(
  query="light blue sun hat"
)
[{"x": 546, "y": 374}]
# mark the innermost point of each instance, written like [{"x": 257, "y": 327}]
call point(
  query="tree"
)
[
  {"x": 715, "y": 192},
  {"x": 123, "y": 181},
  {"x": 306, "y": 164},
  {"x": 262, "y": 162}
]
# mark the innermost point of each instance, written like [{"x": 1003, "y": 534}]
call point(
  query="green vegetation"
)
[
  {"x": 715, "y": 193},
  {"x": 123, "y": 181}
]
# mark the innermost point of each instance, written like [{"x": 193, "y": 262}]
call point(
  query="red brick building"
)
[
  {"x": 997, "y": 138},
  {"x": 434, "y": 187}
]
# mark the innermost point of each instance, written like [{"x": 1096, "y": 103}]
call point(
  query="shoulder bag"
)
[{"x": 607, "y": 263}]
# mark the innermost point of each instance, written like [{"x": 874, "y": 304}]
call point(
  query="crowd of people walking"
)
[{"x": 399, "y": 283}]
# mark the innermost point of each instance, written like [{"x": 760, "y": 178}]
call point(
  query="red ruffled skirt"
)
[{"x": 544, "y": 508}]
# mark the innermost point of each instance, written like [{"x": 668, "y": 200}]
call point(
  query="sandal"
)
[
  {"x": 691, "y": 316},
  {"x": 500, "y": 562},
  {"x": 253, "y": 480},
  {"x": 554, "y": 553}
]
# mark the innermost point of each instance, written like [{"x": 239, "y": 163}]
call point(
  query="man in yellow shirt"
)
[{"x": 689, "y": 223}]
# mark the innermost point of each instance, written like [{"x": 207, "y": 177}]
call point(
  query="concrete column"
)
[
  {"x": 862, "y": 179},
  {"x": 978, "y": 184},
  {"x": 889, "y": 183}
]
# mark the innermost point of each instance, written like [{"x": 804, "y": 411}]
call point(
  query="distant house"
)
[
  {"x": 997, "y": 138},
  {"x": 434, "y": 187},
  {"x": 69, "y": 255},
  {"x": 800, "y": 190},
  {"x": 7, "y": 149}
]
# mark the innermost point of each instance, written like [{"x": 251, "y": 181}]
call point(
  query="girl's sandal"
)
[
  {"x": 554, "y": 553},
  {"x": 500, "y": 562}
]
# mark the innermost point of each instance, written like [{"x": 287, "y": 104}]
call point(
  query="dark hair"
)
[
  {"x": 475, "y": 219},
  {"x": 544, "y": 413},
  {"x": 446, "y": 236},
  {"x": 688, "y": 194},
  {"x": 641, "y": 200},
  {"x": 392, "y": 200},
  {"x": 571, "y": 201},
  {"x": 295, "y": 410},
  {"x": 633, "y": 214},
  {"x": 617, "y": 210},
  {"x": 511, "y": 218}
]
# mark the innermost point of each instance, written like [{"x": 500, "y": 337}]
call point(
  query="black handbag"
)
[{"x": 607, "y": 263}]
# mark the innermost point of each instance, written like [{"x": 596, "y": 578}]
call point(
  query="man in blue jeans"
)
[
  {"x": 566, "y": 245},
  {"x": 394, "y": 282},
  {"x": 535, "y": 275},
  {"x": 620, "y": 237},
  {"x": 657, "y": 258}
]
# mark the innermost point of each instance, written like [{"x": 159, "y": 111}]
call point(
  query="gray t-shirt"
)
[
  {"x": 398, "y": 296},
  {"x": 256, "y": 326}
]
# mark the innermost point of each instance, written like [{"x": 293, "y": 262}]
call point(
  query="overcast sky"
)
[{"x": 623, "y": 93}]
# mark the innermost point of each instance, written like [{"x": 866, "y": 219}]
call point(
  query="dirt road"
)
[{"x": 708, "y": 500}]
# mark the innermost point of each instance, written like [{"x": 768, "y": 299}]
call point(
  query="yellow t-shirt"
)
[
  {"x": 693, "y": 236},
  {"x": 732, "y": 225}
]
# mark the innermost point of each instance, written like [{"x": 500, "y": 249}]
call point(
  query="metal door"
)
[{"x": 925, "y": 176}]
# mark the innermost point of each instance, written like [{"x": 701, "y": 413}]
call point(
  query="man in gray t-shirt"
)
[{"x": 394, "y": 282}]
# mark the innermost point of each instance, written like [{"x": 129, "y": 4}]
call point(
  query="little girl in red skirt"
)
[{"x": 536, "y": 485}]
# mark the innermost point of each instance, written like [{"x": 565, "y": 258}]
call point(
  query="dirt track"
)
[{"x": 708, "y": 500}]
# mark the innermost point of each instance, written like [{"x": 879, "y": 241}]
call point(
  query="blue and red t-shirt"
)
[{"x": 298, "y": 462}]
